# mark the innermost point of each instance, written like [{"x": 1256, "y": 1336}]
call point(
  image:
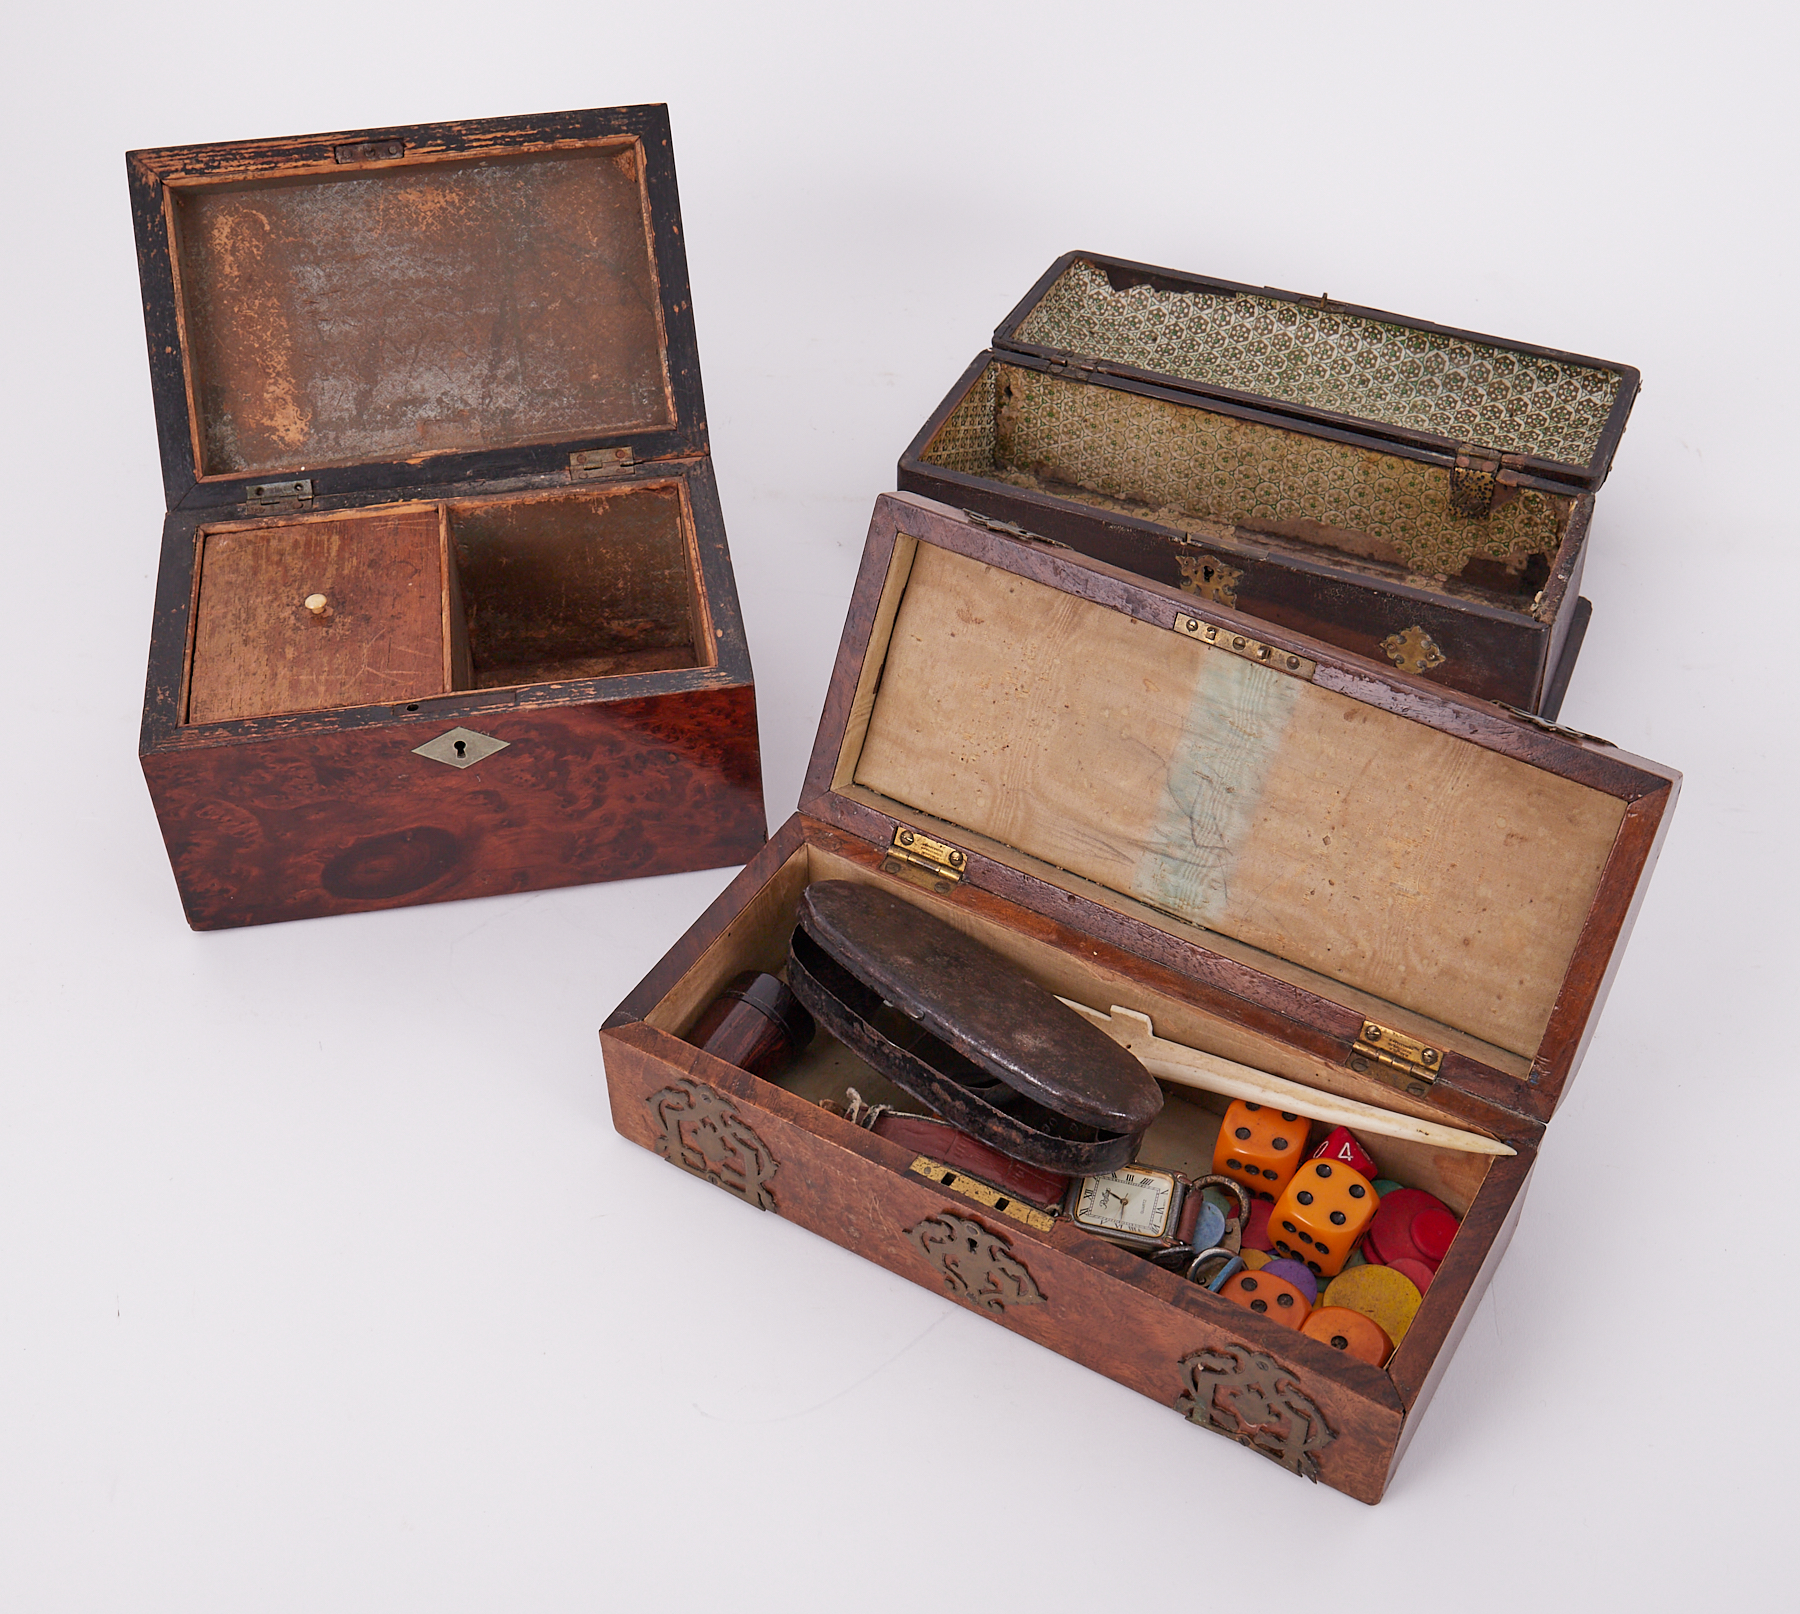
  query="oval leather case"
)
[{"x": 955, "y": 1025}]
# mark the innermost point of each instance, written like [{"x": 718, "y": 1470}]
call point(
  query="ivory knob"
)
[{"x": 316, "y": 603}]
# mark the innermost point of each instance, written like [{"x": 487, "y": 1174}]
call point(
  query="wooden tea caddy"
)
[
  {"x": 1267, "y": 847},
  {"x": 1417, "y": 494},
  {"x": 445, "y": 606}
]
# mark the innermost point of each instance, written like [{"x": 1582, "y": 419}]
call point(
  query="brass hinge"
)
[
  {"x": 1395, "y": 1058},
  {"x": 1209, "y": 633},
  {"x": 1071, "y": 363},
  {"x": 592, "y": 462},
  {"x": 1474, "y": 479},
  {"x": 299, "y": 488},
  {"x": 1552, "y": 728},
  {"x": 924, "y": 861}
]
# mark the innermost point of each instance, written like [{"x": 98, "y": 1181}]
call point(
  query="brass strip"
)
[
  {"x": 974, "y": 1188},
  {"x": 1208, "y": 633}
]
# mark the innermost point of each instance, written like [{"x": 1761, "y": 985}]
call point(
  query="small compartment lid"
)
[
  {"x": 441, "y": 303},
  {"x": 1371, "y": 842},
  {"x": 1556, "y": 415}
]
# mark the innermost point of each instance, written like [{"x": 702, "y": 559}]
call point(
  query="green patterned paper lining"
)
[
  {"x": 1185, "y": 465},
  {"x": 1466, "y": 391}
]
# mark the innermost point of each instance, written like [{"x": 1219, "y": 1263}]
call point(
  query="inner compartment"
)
[
  {"x": 1211, "y": 476},
  {"x": 422, "y": 308},
  {"x": 424, "y": 599},
  {"x": 1364, "y": 856},
  {"x": 1328, "y": 358},
  {"x": 1181, "y": 1138}
]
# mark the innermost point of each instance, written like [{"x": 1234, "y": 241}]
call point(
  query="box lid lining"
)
[
  {"x": 1327, "y": 357},
  {"x": 420, "y": 308},
  {"x": 1411, "y": 865}
]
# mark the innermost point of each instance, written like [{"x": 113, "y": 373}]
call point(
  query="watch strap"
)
[
  {"x": 953, "y": 1147},
  {"x": 1192, "y": 1203}
]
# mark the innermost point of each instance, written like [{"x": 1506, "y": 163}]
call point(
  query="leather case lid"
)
[
  {"x": 1434, "y": 863},
  {"x": 962, "y": 993},
  {"x": 1559, "y": 415},
  {"x": 390, "y": 307}
]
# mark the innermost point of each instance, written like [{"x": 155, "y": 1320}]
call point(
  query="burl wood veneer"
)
[{"x": 446, "y": 606}]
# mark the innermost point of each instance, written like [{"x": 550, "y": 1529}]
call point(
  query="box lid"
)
[
  {"x": 1356, "y": 847},
  {"x": 440, "y": 303},
  {"x": 1543, "y": 412}
]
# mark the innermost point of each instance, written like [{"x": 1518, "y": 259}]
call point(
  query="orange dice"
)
[
  {"x": 1321, "y": 1214},
  {"x": 1270, "y": 1296},
  {"x": 1349, "y": 1331},
  {"x": 1260, "y": 1147}
]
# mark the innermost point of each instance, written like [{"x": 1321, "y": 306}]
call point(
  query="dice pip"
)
[
  {"x": 1321, "y": 1214},
  {"x": 1260, "y": 1147}
]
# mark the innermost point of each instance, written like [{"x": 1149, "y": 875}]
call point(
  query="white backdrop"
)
[{"x": 324, "y": 1280}]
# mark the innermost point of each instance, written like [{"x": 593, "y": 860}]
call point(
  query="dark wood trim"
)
[
  {"x": 152, "y": 171},
  {"x": 1565, "y": 655}
]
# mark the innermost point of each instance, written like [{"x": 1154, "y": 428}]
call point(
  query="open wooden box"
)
[
  {"x": 445, "y": 606},
  {"x": 1262, "y": 845},
  {"x": 1417, "y": 494}
]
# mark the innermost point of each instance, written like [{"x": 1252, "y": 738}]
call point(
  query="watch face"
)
[{"x": 1138, "y": 1201}]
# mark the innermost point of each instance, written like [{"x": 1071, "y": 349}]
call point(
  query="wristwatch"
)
[{"x": 1147, "y": 1209}]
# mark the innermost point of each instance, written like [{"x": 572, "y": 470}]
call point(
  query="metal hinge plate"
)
[
  {"x": 592, "y": 462},
  {"x": 369, "y": 151},
  {"x": 1474, "y": 480},
  {"x": 299, "y": 487},
  {"x": 1552, "y": 728},
  {"x": 1209, "y": 633},
  {"x": 1011, "y": 528},
  {"x": 926, "y": 862},
  {"x": 1071, "y": 365},
  {"x": 1395, "y": 1058}
]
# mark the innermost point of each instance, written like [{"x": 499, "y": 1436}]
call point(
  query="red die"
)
[
  {"x": 1259, "y": 1147},
  {"x": 1343, "y": 1146},
  {"x": 1322, "y": 1214}
]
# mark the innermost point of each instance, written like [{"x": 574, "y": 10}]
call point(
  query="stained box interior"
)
[
  {"x": 360, "y": 315},
  {"x": 1212, "y": 475},
  {"x": 424, "y": 598}
]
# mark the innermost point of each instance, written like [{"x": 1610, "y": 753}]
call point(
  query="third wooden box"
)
[{"x": 1417, "y": 494}]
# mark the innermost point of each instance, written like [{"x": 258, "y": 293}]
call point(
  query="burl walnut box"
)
[
  {"x": 1281, "y": 854},
  {"x": 445, "y": 606},
  {"x": 1417, "y": 494}
]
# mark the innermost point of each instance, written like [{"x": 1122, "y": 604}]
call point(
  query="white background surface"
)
[{"x": 324, "y": 1279}]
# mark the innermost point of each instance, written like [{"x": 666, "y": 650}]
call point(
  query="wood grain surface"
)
[
  {"x": 298, "y": 825},
  {"x": 1101, "y": 1306},
  {"x": 383, "y": 635}
]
